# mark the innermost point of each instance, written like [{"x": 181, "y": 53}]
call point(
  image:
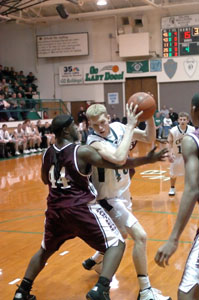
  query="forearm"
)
[
  {"x": 148, "y": 135},
  {"x": 122, "y": 151},
  {"x": 150, "y": 131},
  {"x": 136, "y": 162}
]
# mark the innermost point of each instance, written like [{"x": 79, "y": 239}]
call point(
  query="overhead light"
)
[{"x": 101, "y": 2}]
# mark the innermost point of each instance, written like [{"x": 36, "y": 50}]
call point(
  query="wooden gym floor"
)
[{"x": 22, "y": 206}]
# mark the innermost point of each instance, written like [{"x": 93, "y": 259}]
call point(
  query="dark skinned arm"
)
[{"x": 87, "y": 155}]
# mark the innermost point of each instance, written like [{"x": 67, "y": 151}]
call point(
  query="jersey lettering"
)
[
  {"x": 62, "y": 181},
  {"x": 179, "y": 149}
]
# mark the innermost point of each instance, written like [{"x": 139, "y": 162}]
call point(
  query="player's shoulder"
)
[
  {"x": 190, "y": 128},
  {"x": 117, "y": 126}
]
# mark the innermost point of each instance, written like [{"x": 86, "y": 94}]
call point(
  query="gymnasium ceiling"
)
[{"x": 44, "y": 11}]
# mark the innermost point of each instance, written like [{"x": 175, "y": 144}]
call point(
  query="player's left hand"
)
[
  {"x": 164, "y": 253},
  {"x": 157, "y": 156}
]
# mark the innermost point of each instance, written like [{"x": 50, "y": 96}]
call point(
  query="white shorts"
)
[
  {"x": 177, "y": 167},
  {"x": 190, "y": 276},
  {"x": 121, "y": 212}
]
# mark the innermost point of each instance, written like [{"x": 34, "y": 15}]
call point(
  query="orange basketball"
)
[{"x": 146, "y": 103}]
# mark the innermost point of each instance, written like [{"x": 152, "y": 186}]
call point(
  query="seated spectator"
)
[
  {"x": 4, "y": 110},
  {"x": 159, "y": 125},
  {"x": 29, "y": 134},
  {"x": 29, "y": 95},
  {"x": 6, "y": 92},
  {"x": 21, "y": 78},
  {"x": 3, "y": 83},
  {"x": 115, "y": 119},
  {"x": 164, "y": 111},
  {"x": 36, "y": 136},
  {"x": 20, "y": 140},
  {"x": 45, "y": 115},
  {"x": 9, "y": 146},
  {"x": 174, "y": 116},
  {"x": 48, "y": 133},
  {"x": 30, "y": 78},
  {"x": 14, "y": 107}
]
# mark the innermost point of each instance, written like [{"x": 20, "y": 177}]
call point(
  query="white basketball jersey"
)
[
  {"x": 19, "y": 134},
  {"x": 178, "y": 135},
  {"x": 108, "y": 182}
]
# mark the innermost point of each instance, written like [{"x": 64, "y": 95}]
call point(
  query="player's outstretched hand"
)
[
  {"x": 157, "y": 156},
  {"x": 132, "y": 116},
  {"x": 164, "y": 253}
]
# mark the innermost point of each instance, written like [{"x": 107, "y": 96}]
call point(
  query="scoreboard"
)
[{"x": 180, "y": 41}]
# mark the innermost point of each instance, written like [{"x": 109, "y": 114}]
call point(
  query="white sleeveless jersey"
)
[
  {"x": 19, "y": 134},
  {"x": 178, "y": 135},
  {"x": 108, "y": 182}
]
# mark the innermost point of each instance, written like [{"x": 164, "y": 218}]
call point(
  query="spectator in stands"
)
[
  {"x": 174, "y": 116},
  {"x": 3, "y": 83},
  {"x": 21, "y": 91},
  {"x": 20, "y": 139},
  {"x": 9, "y": 145},
  {"x": 164, "y": 111},
  {"x": 29, "y": 95},
  {"x": 4, "y": 110},
  {"x": 21, "y": 78},
  {"x": 167, "y": 123},
  {"x": 30, "y": 78},
  {"x": 45, "y": 115},
  {"x": 36, "y": 137},
  {"x": 124, "y": 120},
  {"x": 159, "y": 125},
  {"x": 29, "y": 134},
  {"x": 115, "y": 118},
  {"x": 6, "y": 92}
]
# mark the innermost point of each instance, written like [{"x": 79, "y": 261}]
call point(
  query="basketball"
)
[{"x": 146, "y": 103}]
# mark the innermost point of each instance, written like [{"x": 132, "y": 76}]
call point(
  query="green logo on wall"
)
[
  {"x": 137, "y": 66},
  {"x": 95, "y": 75}
]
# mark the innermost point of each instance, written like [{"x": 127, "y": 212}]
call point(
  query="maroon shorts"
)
[{"x": 89, "y": 222}]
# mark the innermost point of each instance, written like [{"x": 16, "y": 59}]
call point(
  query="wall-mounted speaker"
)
[{"x": 62, "y": 11}]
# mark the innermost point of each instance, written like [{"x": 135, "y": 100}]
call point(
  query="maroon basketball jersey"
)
[{"x": 67, "y": 186}]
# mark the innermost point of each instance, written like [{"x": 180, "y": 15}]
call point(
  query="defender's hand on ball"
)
[
  {"x": 132, "y": 116},
  {"x": 157, "y": 156}
]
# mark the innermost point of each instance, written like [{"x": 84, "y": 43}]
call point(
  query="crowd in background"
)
[
  {"x": 17, "y": 92},
  {"x": 27, "y": 138}
]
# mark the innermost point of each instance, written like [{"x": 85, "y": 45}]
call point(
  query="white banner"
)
[
  {"x": 104, "y": 72},
  {"x": 71, "y": 74},
  {"x": 57, "y": 45}
]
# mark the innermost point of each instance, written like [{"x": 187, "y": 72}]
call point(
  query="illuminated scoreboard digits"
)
[
  {"x": 170, "y": 42},
  {"x": 189, "y": 40},
  {"x": 180, "y": 41}
]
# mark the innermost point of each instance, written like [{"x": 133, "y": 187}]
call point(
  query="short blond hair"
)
[
  {"x": 96, "y": 110},
  {"x": 183, "y": 114}
]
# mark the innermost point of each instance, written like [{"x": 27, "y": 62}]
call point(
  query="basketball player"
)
[
  {"x": 175, "y": 137},
  {"x": 72, "y": 208},
  {"x": 113, "y": 191},
  {"x": 189, "y": 285}
]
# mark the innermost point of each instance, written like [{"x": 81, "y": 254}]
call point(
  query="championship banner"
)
[
  {"x": 104, "y": 72},
  {"x": 141, "y": 66},
  {"x": 71, "y": 74}
]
